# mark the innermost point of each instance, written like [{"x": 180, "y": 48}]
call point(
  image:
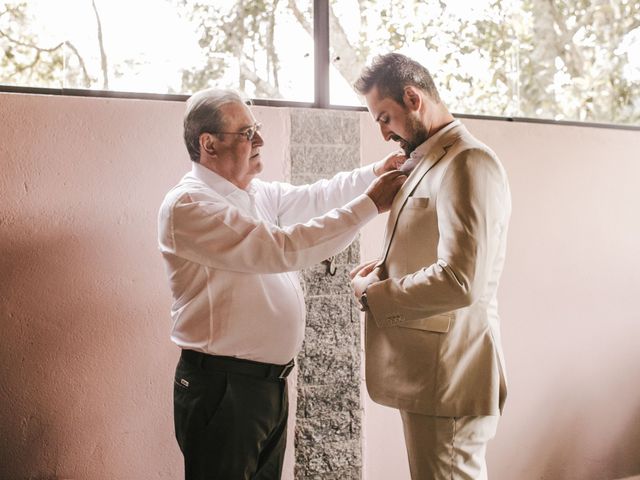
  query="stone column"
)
[{"x": 329, "y": 411}]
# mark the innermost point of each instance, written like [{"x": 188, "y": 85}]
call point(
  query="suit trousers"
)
[
  {"x": 447, "y": 448},
  {"x": 229, "y": 425}
]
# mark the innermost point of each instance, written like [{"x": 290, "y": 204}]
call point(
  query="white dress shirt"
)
[{"x": 232, "y": 255}]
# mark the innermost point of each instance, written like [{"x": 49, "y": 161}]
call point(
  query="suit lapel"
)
[{"x": 401, "y": 197}]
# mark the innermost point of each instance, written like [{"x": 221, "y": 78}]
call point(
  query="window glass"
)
[
  {"x": 561, "y": 60},
  {"x": 160, "y": 46},
  {"x": 264, "y": 48}
]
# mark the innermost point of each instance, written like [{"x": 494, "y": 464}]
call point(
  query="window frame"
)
[{"x": 321, "y": 40}]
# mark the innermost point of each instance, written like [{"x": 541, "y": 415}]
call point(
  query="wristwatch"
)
[{"x": 364, "y": 303}]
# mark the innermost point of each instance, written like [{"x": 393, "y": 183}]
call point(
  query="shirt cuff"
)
[
  {"x": 367, "y": 173},
  {"x": 363, "y": 207}
]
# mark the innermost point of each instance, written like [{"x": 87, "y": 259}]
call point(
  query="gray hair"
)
[{"x": 203, "y": 115}]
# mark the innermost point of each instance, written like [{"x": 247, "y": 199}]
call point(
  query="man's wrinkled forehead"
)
[{"x": 237, "y": 113}]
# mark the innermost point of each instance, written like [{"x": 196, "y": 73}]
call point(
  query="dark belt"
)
[{"x": 237, "y": 365}]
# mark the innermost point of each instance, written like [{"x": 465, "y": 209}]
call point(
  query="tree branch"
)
[
  {"x": 300, "y": 17},
  {"x": 103, "y": 55},
  {"x": 273, "y": 63},
  {"x": 573, "y": 58},
  {"x": 633, "y": 25},
  {"x": 30, "y": 45},
  {"x": 239, "y": 36},
  {"x": 346, "y": 59},
  {"x": 260, "y": 84},
  {"x": 87, "y": 78},
  {"x": 31, "y": 65}
]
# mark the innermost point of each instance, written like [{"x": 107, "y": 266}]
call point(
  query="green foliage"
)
[
  {"x": 22, "y": 61},
  {"x": 570, "y": 64},
  {"x": 558, "y": 59},
  {"x": 27, "y": 60},
  {"x": 236, "y": 36}
]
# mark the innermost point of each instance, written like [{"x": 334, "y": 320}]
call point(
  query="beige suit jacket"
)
[{"x": 432, "y": 334}]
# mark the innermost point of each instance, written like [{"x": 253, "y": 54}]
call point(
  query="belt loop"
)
[{"x": 200, "y": 361}]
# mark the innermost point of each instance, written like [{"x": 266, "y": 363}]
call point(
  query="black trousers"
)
[{"x": 229, "y": 425}]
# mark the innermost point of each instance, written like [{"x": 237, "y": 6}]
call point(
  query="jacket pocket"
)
[{"x": 437, "y": 323}]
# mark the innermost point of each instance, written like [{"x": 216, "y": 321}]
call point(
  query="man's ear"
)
[
  {"x": 207, "y": 143},
  {"x": 412, "y": 98}
]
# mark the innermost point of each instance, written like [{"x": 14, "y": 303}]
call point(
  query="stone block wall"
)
[{"x": 329, "y": 411}]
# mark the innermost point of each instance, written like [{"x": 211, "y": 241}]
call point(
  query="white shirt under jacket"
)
[{"x": 232, "y": 255}]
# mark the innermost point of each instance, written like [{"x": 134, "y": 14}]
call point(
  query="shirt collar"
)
[
  {"x": 237, "y": 196},
  {"x": 218, "y": 183},
  {"x": 422, "y": 149}
]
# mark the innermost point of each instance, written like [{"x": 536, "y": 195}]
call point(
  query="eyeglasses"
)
[{"x": 249, "y": 133}]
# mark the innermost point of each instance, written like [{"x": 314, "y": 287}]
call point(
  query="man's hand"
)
[
  {"x": 384, "y": 188},
  {"x": 362, "y": 276},
  {"x": 364, "y": 269},
  {"x": 393, "y": 161}
]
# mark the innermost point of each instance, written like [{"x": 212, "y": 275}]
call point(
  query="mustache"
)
[{"x": 406, "y": 147}]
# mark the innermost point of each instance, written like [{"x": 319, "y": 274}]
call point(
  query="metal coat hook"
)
[{"x": 330, "y": 266}]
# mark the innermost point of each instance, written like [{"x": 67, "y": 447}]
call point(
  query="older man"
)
[
  {"x": 231, "y": 245},
  {"x": 432, "y": 329}
]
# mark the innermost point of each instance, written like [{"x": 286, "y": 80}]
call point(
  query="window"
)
[
  {"x": 160, "y": 46},
  {"x": 557, "y": 60},
  {"x": 561, "y": 60}
]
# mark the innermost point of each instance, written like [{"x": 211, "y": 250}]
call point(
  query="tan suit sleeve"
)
[{"x": 471, "y": 215}]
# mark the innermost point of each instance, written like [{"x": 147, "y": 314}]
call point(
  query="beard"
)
[{"x": 417, "y": 135}]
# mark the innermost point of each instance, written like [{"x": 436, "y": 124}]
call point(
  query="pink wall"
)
[
  {"x": 86, "y": 361},
  {"x": 85, "y": 358},
  {"x": 569, "y": 292}
]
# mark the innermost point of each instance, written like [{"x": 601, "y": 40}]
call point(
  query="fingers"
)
[
  {"x": 394, "y": 179},
  {"x": 393, "y": 161},
  {"x": 383, "y": 190},
  {"x": 367, "y": 269},
  {"x": 399, "y": 157},
  {"x": 393, "y": 173},
  {"x": 353, "y": 272},
  {"x": 397, "y": 180},
  {"x": 360, "y": 282},
  {"x": 368, "y": 265},
  {"x": 358, "y": 285}
]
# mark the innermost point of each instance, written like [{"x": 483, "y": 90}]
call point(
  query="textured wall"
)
[
  {"x": 568, "y": 305},
  {"x": 85, "y": 359},
  {"x": 328, "y": 429},
  {"x": 86, "y": 364}
]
